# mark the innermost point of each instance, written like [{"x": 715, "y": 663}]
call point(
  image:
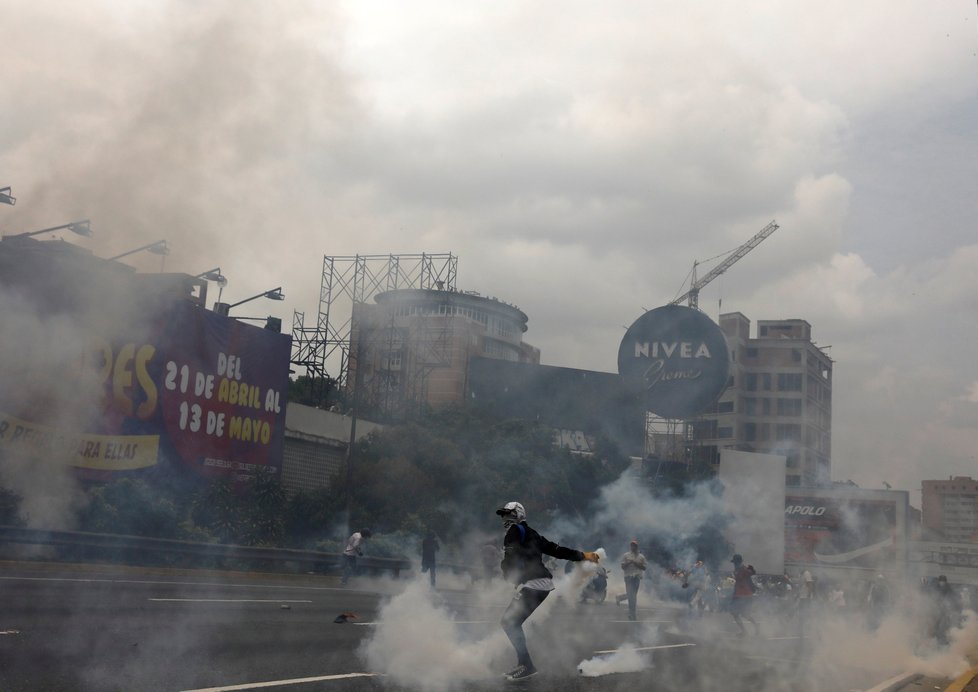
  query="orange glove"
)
[{"x": 591, "y": 557}]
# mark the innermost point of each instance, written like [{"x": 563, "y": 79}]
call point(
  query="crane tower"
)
[{"x": 693, "y": 294}]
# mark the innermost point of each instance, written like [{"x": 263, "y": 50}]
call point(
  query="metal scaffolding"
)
[{"x": 349, "y": 281}]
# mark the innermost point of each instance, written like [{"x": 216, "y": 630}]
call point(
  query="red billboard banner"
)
[{"x": 189, "y": 387}]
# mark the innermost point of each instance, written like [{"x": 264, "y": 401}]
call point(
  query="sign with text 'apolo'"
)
[{"x": 678, "y": 358}]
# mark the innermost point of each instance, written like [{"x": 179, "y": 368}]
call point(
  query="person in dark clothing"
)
[
  {"x": 743, "y": 594},
  {"x": 429, "y": 546},
  {"x": 523, "y": 551}
]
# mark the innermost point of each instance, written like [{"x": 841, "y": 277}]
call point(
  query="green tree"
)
[{"x": 131, "y": 507}]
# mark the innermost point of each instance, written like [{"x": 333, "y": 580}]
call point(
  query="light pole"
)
[
  {"x": 5, "y": 196},
  {"x": 158, "y": 248},
  {"x": 216, "y": 276},
  {"x": 80, "y": 227},
  {"x": 273, "y": 294}
]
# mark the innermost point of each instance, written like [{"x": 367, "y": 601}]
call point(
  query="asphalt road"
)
[{"x": 102, "y": 628}]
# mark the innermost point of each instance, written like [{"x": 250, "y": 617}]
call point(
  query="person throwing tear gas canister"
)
[{"x": 523, "y": 551}]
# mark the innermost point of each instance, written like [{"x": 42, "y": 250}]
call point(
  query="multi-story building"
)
[
  {"x": 778, "y": 399},
  {"x": 950, "y": 508},
  {"x": 415, "y": 346}
]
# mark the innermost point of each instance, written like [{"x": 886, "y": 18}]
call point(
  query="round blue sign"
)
[{"x": 677, "y": 357}]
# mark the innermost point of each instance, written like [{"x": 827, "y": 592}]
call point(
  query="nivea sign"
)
[{"x": 677, "y": 357}]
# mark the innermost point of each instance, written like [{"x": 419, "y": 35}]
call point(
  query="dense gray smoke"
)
[{"x": 450, "y": 656}]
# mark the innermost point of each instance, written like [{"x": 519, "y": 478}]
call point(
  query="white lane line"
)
[
  {"x": 277, "y": 683},
  {"x": 198, "y": 584},
  {"x": 649, "y": 648},
  {"x": 227, "y": 600},
  {"x": 619, "y": 622},
  {"x": 9, "y": 632},
  {"x": 774, "y": 639},
  {"x": 454, "y": 622}
]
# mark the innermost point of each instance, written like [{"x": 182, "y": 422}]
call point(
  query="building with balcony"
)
[
  {"x": 949, "y": 508},
  {"x": 778, "y": 399}
]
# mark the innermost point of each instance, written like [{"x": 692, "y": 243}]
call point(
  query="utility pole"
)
[{"x": 351, "y": 446}]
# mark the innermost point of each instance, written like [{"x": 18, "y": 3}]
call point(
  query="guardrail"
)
[{"x": 141, "y": 550}]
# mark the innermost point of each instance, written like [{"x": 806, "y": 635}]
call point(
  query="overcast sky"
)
[{"x": 576, "y": 156}]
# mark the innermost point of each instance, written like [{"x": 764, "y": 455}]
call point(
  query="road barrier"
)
[{"x": 139, "y": 550}]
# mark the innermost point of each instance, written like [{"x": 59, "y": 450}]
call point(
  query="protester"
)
[
  {"x": 633, "y": 566},
  {"x": 698, "y": 580},
  {"x": 877, "y": 601},
  {"x": 949, "y": 610},
  {"x": 743, "y": 594},
  {"x": 352, "y": 551},
  {"x": 522, "y": 564},
  {"x": 429, "y": 546}
]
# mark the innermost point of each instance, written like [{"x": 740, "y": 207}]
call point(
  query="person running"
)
[
  {"x": 429, "y": 547},
  {"x": 743, "y": 594},
  {"x": 633, "y": 566},
  {"x": 522, "y": 564},
  {"x": 352, "y": 551}
]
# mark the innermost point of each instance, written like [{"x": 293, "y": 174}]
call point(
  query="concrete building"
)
[
  {"x": 950, "y": 510},
  {"x": 778, "y": 399},
  {"x": 414, "y": 346}
]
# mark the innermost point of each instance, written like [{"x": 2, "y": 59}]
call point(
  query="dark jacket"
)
[
  {"x": 523, "y": 554},
  {"x": 429, "y": 546}
]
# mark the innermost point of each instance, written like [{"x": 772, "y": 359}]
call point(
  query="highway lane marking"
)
[
  {"x": 649, "y": 648},
  {"x": 9, "y": 632},
  {"x": 187, "y": 583},
  {"x": 226, "y": 600},
  {"x": 654, "y": 621},
  {"x": 278, "y": 683},
  {"x": 774, "y": 639},
  {"x": 454, "y": 622}
]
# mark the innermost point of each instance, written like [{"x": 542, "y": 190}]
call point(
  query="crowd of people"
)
[{"x": 528, "y": 560}]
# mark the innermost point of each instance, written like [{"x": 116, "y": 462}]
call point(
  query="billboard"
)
[
  {"x": 676, "y": 358},
  {"x": 753, "y": 497},
  {"x": 846, "y": 528},
  {"x": 188, "y": 387},
  {"x": 581, "y": 405}
]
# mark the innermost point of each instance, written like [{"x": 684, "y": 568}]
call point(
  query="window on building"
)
[
  {"x": 725, "y": 407},
  {"x": 787, "y": 432},
  {"x": 751, "y": 382},
  {"x": 725, "y": 432},
  {"x": 766, "y": 406},
  {"x": 752, "y": 353},
  {"x": 750, "y": 432},
  {"x": 750, "y": 406},
  {"x": 763, "y": 331},
  {"x": 766, "y": 381},
  {"x": 789, "y": 382},
  {"x": 789, "y": 407}
]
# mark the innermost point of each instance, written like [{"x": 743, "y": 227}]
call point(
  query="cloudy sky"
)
[{"x": 576, "y": 156}]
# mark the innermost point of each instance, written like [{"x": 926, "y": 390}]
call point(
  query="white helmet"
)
[{"x": 514, "y": 510}]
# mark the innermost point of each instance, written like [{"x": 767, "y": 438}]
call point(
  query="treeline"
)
[{"x": 447, "y": 472}]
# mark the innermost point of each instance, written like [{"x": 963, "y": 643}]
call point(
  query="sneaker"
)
[{"x": 522, "y": 673}]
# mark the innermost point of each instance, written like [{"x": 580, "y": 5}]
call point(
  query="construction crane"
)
[{"x": 693, "y": 294}]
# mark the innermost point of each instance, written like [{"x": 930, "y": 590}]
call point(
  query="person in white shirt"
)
[
  {"x": 633, "y": 566},
  {"x": 352, "y": 551}
]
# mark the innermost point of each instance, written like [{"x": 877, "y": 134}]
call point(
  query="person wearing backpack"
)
[{"x": 522, "y": 564}]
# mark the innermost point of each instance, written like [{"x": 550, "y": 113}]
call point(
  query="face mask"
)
[{"x": 507, "y": 522}]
